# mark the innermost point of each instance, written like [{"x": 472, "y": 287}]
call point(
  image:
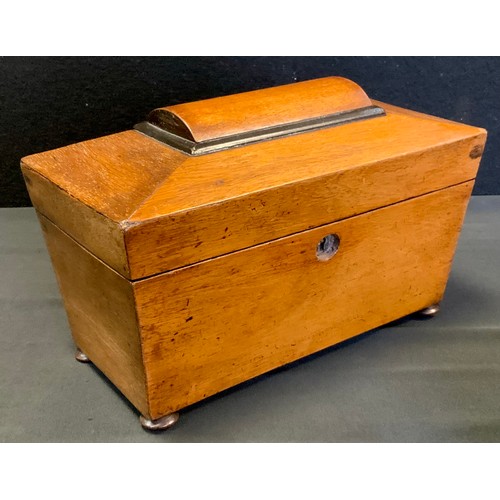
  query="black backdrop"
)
[{"x": 46, "y": 103}]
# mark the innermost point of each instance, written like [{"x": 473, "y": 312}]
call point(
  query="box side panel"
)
[
  {"x": 101, "y": 313},
  {"x": 206, "y": 231},
  {"x": 212, "y": 325},
  {"x": 94, "y": 231}
]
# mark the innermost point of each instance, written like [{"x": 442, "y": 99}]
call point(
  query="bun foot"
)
[
  {"x": 160, "y": 424},
  {"x": 81, "y": 357},
  {"x": 430, "y": 311}
]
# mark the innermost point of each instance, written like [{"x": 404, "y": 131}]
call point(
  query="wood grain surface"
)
[
  {"x": 249, "y": 111},
  {"x": 213, "y": 325},
  {"x": 101, "y": 312},
  {"x": 144, "y": 208},
  {"x": 113, "y": 174},
  {"x": 186, "y": 275},
  {"x": 216, "y": 204},
  {"x": 97, "y": 233}
]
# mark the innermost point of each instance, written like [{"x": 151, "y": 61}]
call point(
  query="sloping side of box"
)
[
  {"x": 88, "y": 189},
  {"x": 100, "y": 235},
  {"x": 101, "y": 313}
]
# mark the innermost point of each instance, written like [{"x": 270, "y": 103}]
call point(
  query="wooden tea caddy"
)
[{"x": 224, "y": 238}]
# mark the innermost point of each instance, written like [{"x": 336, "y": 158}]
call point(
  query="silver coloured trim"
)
[
  {"x": 430, "y": 311},
  {"x": 160, "y": 424},
  {"x": 81, "y": 356},
  {"x": 237, "y": 140}
]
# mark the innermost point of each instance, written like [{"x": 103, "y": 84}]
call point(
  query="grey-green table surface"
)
[{"x": 435, "y": 380}]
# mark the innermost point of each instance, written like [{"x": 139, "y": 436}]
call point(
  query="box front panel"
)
[{"x": 215, "y": 324}]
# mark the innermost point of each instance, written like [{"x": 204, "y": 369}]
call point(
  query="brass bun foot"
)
[
  {"x": 430, "y": 311},
  {"x": 81, "y": 357},
  {"x": 160, "y": 424}
]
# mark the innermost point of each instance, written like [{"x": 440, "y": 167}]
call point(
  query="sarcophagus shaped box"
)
[{"x": 224, "y": 238}]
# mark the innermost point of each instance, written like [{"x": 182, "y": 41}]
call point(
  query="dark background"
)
[{"x": 50, "y": 102}]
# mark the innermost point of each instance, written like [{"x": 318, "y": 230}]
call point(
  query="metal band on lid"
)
[
  {"x": 242, "y": 139},
  {"x": 236, "y": 120}
]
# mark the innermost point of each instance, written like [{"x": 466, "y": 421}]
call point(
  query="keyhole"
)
[{"x": 327, "y": 247}]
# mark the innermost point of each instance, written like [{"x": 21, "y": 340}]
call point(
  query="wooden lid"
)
[
  {"x": 236, "y": 120},
  {"x": 145, "y": 207}
]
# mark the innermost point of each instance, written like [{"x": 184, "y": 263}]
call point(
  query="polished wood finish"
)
[
  {"x": 91, "y": 188},
  {"x": 163, "y": 209},
  {"x": 113, "y": 174},
  {"x": 250, "y": 111},
  {"x": 216, "y": 204},
  {"x": 96, "y": 232},
  {"x": 213, "y": 325},
  {"x": 185, "y": 275},
  {"x": 101, "y": 312}
]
